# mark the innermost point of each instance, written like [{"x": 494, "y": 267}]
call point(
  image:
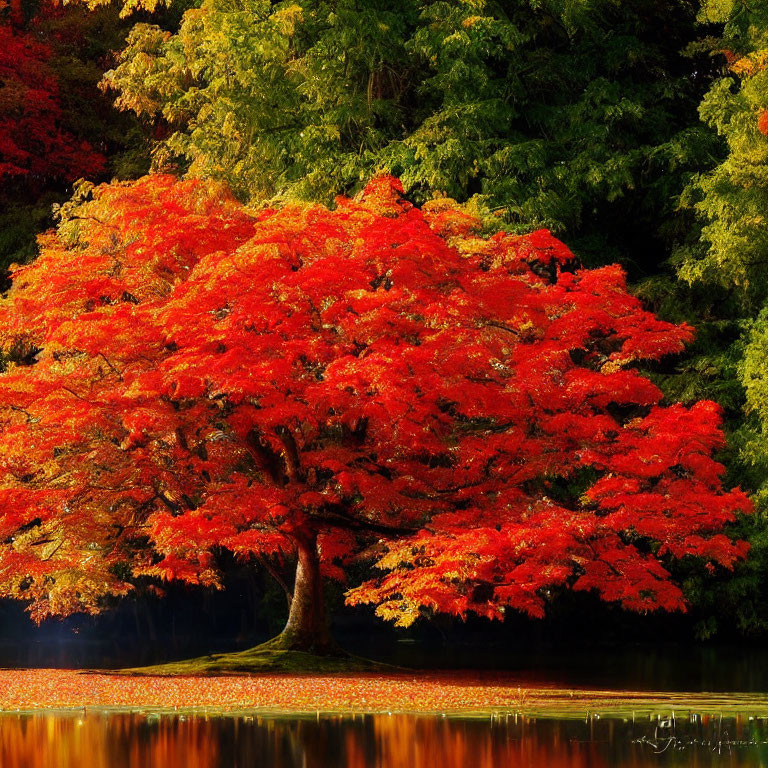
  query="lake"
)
[{"x": 97, "y": 739}]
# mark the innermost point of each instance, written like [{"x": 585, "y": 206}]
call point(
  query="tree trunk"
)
[{"x": 307, "y": 627}]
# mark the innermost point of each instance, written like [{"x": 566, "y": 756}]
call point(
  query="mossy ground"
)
[{"x": 260, "y": 660}]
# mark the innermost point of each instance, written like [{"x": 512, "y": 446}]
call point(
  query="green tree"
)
[
  {"x": 576, "y": 115},
  {"x": 726, "y": 257},
  {"x": 732, "y": 199},
  {"x": 724, "y": 265}
]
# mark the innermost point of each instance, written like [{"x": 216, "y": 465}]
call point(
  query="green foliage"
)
[
  {"x": 577, "y": 116},
  {"x": 19, "y": 225},
  {"x": 726, "y": 256},
  {"x": 708, "y": 369},
  {"x": 754, "y": 378},
  {"x": 730, "y": 202}
]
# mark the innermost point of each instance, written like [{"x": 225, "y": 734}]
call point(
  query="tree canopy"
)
[
  {"x": 728, "y": 252},
  {"x": 189, "y": 375},
  {"x": 55, "y": 125},
  {"x": 578, "y": 117},
  {"x": 35, "y": 147},
  {"x": 561, "y": 115},
  {"x": 731, "y": 198}
]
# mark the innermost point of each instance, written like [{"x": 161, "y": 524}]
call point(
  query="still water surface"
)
[{"x": 99, "y": 740}]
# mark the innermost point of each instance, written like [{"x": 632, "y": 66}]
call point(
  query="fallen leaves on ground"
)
[{"x": 452, "y": 692}]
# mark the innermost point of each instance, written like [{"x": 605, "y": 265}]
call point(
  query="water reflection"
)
[{"x": 98, "y": 740}]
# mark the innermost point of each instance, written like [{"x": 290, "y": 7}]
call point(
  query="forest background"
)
[{"x": 635, "y": 130}]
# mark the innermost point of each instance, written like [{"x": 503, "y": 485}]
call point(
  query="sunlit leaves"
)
[
  {"x": 200, "y": 376},
  {"x": 548, "y": 112}
]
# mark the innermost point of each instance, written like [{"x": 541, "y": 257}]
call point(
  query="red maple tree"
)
[
  {"x": 36, "y": 147},
  {"x": 308, "y": 383}
]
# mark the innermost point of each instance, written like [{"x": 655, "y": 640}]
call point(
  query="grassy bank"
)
[{"x": 259, "y": 660}]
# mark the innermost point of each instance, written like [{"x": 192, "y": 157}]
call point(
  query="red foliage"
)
[
  {"x": 211, "y": 377},
  {"x": 762, "y": 122},
  {"x": 35, "y": 148}
]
